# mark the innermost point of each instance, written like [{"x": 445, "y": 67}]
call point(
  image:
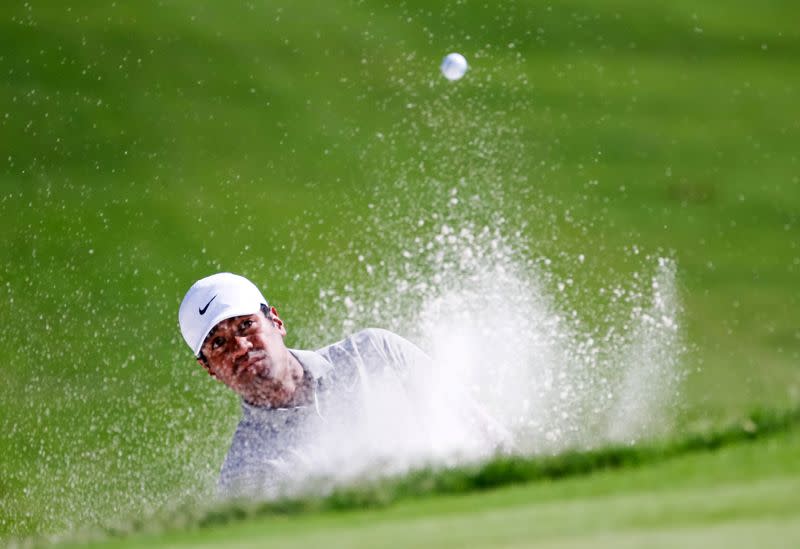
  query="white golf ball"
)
[{"x": 454, "y": 66}]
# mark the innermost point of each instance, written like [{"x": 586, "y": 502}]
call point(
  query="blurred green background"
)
[{"x": 146, "y": 145}]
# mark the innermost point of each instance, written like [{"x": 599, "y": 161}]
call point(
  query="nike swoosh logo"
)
[{"x": 204, "y": 309}]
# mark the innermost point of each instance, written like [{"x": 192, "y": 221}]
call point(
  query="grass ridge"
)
[{"x": 500, "y": 471}]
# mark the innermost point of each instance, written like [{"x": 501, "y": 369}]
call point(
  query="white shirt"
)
[{"x": 370, "y": 403}]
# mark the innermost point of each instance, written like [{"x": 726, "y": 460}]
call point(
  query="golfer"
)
[{"x": 291, "y": 399}]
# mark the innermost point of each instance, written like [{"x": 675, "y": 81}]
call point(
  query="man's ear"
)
[{"x": 277, "y": 322}]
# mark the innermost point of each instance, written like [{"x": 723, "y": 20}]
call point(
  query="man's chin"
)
[
  {"x": 273, "y": 400},
  {"x": 264, "y": 374}
]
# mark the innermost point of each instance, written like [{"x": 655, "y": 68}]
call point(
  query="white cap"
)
[{"x": 213, "y": 299}]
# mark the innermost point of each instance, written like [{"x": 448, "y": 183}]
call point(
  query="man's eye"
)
[
  {"x": 217, "y": 342},
  {"x": 245, "y": 325}
]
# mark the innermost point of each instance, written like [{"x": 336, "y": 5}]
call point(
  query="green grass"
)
[
  {"x": 734, "y": 515},
  {"x": 734, "y": 487},
  {"x": 146, "y": 145}
]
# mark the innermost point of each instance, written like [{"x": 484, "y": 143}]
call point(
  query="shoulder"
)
[
  {"x": 368, "y": 336},
  {"x": 391, "y": 347},
  {"x": 376, "y": 339},
  {"x": 373, "y": 347},
  {"x": 378, "y": 335}
]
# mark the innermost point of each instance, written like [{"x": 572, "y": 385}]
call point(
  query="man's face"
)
[{"x": 247, "y": 353}]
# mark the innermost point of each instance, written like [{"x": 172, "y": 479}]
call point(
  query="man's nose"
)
[{"x": 241, "y": 345}]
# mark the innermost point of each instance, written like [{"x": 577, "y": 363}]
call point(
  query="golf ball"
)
[{"x": 454, "y": 66}]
